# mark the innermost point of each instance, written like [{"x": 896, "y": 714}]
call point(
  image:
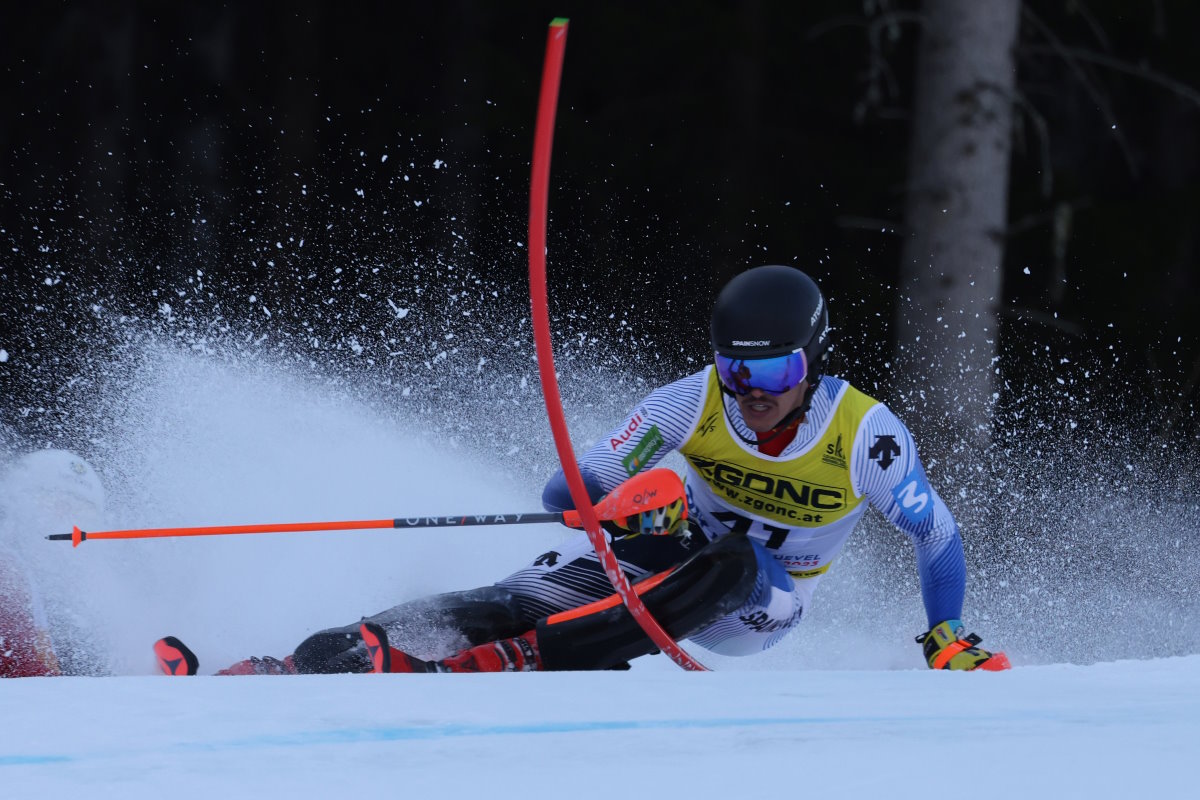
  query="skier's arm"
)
[
  {"x": 660, "y": 423},
  {"x": 556, "y": 496},
  {"x": 888, "y": 471}
]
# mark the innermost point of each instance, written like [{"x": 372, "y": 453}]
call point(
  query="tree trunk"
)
[{"x": 956, "y": 211}]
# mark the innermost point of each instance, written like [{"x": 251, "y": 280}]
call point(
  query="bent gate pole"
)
[{"x": 556, "y": 42}]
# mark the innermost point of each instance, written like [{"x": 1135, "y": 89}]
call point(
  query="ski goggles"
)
[{"x": 771, "y": 375}]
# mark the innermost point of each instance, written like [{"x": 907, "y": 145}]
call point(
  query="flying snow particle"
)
[{"x": 3, "y": 355}]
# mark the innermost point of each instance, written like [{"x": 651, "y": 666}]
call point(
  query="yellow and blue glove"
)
[
  {"x": 666, "y": 520},
  {"x": 948, "y": 646}
]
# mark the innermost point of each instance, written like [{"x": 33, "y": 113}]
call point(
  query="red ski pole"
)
[{"x": 643, "y": 492}]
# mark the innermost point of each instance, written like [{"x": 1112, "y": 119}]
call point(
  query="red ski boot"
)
[
  {"x": 518, "y": 654},
  {"x": 176, "y": 658}
]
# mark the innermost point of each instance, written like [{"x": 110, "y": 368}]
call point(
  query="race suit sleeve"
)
[
  {"x": 659, "y": 424},
  {"x": 887, "y": 470}
]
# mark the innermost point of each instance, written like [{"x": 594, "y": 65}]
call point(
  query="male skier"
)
[{"x": 782, "y": 461}]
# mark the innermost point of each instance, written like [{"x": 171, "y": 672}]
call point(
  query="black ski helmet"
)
[{"x": 771, "y": 311}]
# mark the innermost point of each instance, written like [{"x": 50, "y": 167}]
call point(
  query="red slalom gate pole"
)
[{"x": 556, "y": 43}]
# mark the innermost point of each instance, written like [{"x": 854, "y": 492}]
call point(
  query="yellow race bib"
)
[{"x": 807, "y": 489}]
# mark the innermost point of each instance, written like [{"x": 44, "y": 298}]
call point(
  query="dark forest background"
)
[{"x": 148, "y": 148}]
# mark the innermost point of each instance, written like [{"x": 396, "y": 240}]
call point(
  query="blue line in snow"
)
[
  {"x": 349, "y": 735},
  {"x": 341, "y": 736},
  {"x": 429, "y": 732},
  {"x": 18, "y": 761}
]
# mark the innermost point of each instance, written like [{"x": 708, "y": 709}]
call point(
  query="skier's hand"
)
[
  {"x": 948, "y": 646},
  {"x": 667, "y": 520}
]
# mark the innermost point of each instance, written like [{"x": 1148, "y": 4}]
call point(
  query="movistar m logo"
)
[
  {"x": 733, "y": 478},
  {"x": 914, "y": 501}
]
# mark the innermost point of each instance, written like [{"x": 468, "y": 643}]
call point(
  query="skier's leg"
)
[
  {"x": 771, "y": 611},
  {"x": 437, "y": 626},
  {"x": 603, "y": 634},
  {"x": 706, "y": 587},
  {"x": 571, "y": 575},
  {"x": 434, "y": 626}
]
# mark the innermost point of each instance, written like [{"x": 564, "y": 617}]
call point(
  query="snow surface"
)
[
  {"x": 1115, "y": 730},
  {"x": 842, "y": 708}
]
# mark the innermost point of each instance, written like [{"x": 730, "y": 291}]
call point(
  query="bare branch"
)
[
  {"x": 1031, "y": 221},
  {"x": 1092, "y": 22},
  {"x": 1117, "y": 65},
  {"x": 880, "y": 80},
  {"x": 1093, "y": 91},
  {"x": 1021, "y": 102}
]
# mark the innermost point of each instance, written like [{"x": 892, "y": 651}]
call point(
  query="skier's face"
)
[{"x": 763, "y": 411}]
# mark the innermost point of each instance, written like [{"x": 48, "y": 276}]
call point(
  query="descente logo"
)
[{"x": 751, "y": 342}]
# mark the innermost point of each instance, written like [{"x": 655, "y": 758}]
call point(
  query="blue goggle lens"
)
[{"x": 771, "y": 375}]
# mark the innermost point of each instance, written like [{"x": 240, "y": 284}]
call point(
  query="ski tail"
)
[{"x": 174, "y": 657}]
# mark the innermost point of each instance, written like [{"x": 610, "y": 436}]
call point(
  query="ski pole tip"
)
[
  {"x": 559, "y": 22},
  {"x": 75, "y": 536}
]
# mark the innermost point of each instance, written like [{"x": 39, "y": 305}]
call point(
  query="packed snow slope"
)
[{"x": 1114, "y": 730}]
